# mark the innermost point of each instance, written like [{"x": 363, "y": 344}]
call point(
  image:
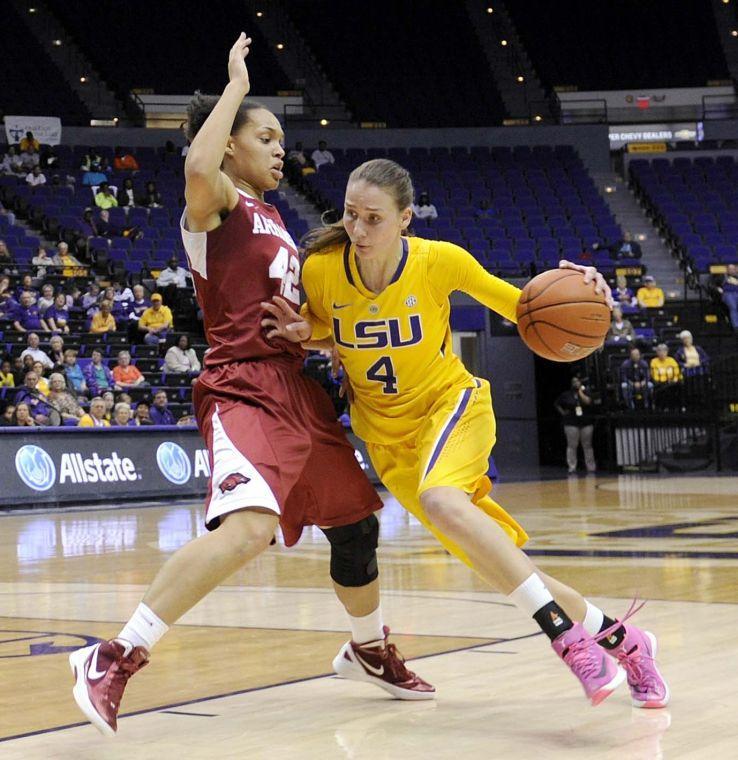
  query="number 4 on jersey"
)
[
  {"x": 286, "y": 268},
  {"x": 383, "y": 372}
]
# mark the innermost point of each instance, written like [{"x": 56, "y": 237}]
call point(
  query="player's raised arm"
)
[{"x": 208, "y": 190}]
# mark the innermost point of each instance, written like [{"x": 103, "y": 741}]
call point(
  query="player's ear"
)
[
  {"x": 405, "y": 218},
  {"x": 229, "y": 147}
]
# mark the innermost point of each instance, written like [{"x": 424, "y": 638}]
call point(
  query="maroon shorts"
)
[{"x": 274, "y": 443}]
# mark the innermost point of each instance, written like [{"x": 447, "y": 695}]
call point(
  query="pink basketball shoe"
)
[
  {"x": 101, "y": 672},
  {"x": 380, "y": 663},
  {"x": 637, "y": 654},
  {"x": 598, "y": 673}
]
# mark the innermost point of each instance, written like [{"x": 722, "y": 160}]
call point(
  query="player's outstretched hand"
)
[
  {"x": 285, "y": 322},
  {"x": 237, "y": 71},
  {"x": 336, "y": 367},
  {"x": 590, "y": 274}
]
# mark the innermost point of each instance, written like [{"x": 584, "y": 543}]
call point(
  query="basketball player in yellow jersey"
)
[{"x": 382, "y": 300}]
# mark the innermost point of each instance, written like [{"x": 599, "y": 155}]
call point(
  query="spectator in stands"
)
[
  {"x": 693, "y": 360},
  {"x": 7, "y": 263},
  {"x": 172, "y": 280},
  {"x": 650, "y": 296},
  {"x": 622, "y": 294},
  {"x": 35, "y": 177},
  {"x": 297, "y": 165},
  {"x": 424, "y": 209},
  {"x": 8, "y": 306},
  {"x": 156, "y": 321},
  {"x": 32, "y": 349},
  {"x": 22, "y": 416},
  {"x": 122, "y": 294},
  {"x": 666, "y": 375},
  {"x": 20, "y": 369},
  {"x": 48, "y": 158},
  {"x": 573, "y": 406},
  {"x": 96, "y": 416},
  {"x": 136, "y": 308},
  {"x": 29, "y": 159},
  {"x": 56, "y": 351},
  {"x": 187, "y": 420},
  {"x": 103, "y": 321},
  {"x": 41, "y": 261},
  {"x": 5, "y": 285},
  {"x": 626, "y": 248},
  {"x": 635, "y": 380},
  {"x": 27, "y": 317},
  {"x": 46, "y": 299},
  {"x": 89, "y": 298},
  {"x": 126, "y": 195},
  {"x": 97, "y": 375},
  {"x": 621, "y": 330},
  {"x": 94, "y": 178},
  {"x": 104, "y": 197},
  {"x": 57, "y": 315},
  {"x": 91, "y": 161},
  {"x": 124, "y": 161},
  {"x": 483, "y": 210},
  {"x": 125, "y": 374},
  {"x": 26, "y": 286},
  {"x": 321, "y": 155},
  {"x": 160, "y": 413},
  {"x": 43, "y": 383},
  {"x": 109, "y": 398},
  {"x": 62, "y": 400},
  {"x": 68, "y": 265},
  {"x": 181, "y": 358},
  {"x": 13, "y": 163},
  {"x": 122, "y": 415},
  {"x": 9, "y": 216},
  {"x": 29, "y": 394},
  {"x": 151, "y": 197},
  {"x": 29, "y": 142},
  {"x": 7, "y": 379},
  {"x": 728, "y": 290},
  {"x": 7, "y": 418},
  {"x": 141, "y": 416},
  {"x": 73, "y": 372}
]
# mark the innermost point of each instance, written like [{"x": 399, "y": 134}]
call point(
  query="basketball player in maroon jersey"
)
[{"x": 276, "y": 450}]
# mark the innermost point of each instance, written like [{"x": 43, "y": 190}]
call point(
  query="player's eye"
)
[{"x": 351, "y": 214}]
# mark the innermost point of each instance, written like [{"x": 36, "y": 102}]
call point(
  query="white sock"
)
[
  {"x": 531, "y": 595},
  {"x": 368, "y": 628},
  {"x": 144, "y": 628},
  {"x": 593, "y": 620}
]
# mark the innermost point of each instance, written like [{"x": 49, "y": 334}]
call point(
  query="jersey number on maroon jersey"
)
[{"x": 285, "y": 267}]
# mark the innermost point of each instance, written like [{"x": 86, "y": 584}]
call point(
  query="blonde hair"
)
[{"x": 381, "y": 172}]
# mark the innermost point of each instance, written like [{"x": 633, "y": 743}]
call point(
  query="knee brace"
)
[{"x": 354, "y": 552}]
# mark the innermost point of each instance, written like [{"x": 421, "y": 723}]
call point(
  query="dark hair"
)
[
  {"x": 386, "y": 175},
  {"x": 201, "y": 106}
]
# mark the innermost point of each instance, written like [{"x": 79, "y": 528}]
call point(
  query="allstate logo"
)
[
  {"x": 35, "y": 467},
  {"x": 174, "y": 463}
]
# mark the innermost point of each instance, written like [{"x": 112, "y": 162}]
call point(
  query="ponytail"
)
[{"x": 320, "y": 238}]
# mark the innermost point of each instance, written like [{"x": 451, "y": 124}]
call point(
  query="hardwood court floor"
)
[{"x": 247, "y": 672}]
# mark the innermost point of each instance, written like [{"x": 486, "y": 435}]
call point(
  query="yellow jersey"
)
[{"x": 396, "y": 345}]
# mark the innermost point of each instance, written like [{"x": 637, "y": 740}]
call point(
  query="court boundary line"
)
[{"x": 238, "y": 692}]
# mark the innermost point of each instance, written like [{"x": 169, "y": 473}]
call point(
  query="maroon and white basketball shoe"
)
[
  {"x": 101, "y": 672},
  {"x": 380, "y": 663}
]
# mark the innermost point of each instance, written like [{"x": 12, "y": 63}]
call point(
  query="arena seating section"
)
[
  {"x": 631, "y": 44},
  {"x": 31, "y": 84},
  {"x": 543, "y": 203},
  {"x": 131, "y": 51},
  {"x": 694, "y": 203},
  {"x": 118, "y": 258},
  {"x": 404, "y": 49}
]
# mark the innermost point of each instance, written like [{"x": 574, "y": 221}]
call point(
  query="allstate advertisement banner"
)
[
  {"x": 46, "y": 129},
  {"x": 62, "y": 465}
]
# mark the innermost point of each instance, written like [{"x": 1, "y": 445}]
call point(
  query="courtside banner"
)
[
  {"x": 46, "y": 129},
  {"x": 63, "y": 465}
]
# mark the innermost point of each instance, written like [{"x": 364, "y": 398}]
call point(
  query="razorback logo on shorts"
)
[{"x": 233, "y": 480}]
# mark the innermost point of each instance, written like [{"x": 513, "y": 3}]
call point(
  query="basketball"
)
[{"x": 560, "y": 317}]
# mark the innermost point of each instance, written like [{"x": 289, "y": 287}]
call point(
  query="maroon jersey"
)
[{"x": 248, "y": 259}]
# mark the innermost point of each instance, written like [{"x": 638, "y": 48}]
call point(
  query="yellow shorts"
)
[{"x": 452, "y": 448}]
